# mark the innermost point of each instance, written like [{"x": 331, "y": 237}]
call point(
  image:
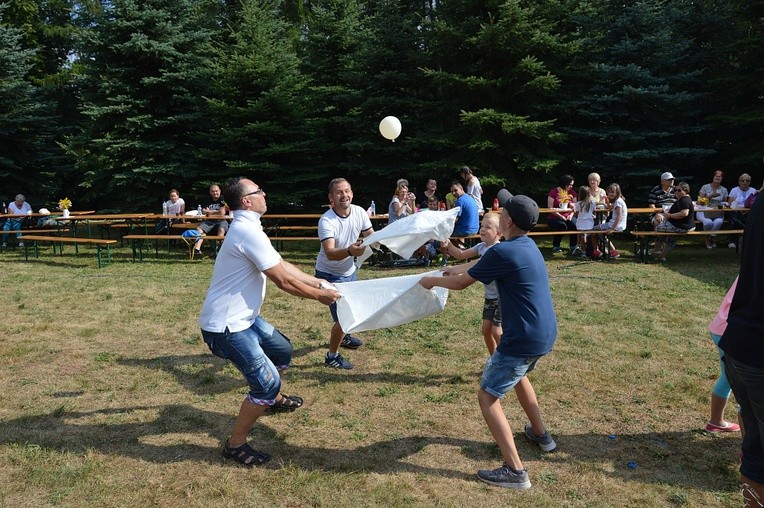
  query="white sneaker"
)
[
  {"x": 21, "y": 244},
  {"x": 732, "y": 245}
]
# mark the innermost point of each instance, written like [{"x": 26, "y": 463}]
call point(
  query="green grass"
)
[{"x": 109, "y": 397}]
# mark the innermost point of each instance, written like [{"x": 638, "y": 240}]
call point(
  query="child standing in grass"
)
[
  {"x": 583, "y": 210},
  {"x": 490, "y": 236},
  {"x": 529, "y": 333}
]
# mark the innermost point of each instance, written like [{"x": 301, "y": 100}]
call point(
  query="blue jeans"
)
[
  {"x": 330, "y": 277},
  {"x": 748, "y": 386},
  {"x": 12, "y": 224},
  {"x": 502, "y": 372},
  {"x": 259, "y": 352}
]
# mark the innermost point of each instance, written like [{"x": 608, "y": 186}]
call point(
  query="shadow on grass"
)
[
  {"x": 681, "y": 459},
  {"x": 204, "y": 374},
  {"x": 64, "y": 431}
]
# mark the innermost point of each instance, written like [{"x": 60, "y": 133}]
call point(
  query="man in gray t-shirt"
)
[{"x": 338, "y": 230}]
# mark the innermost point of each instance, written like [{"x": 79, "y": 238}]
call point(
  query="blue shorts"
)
[
  {"x": 330, "y": 277},
  {"x": 259, "y": 352},
  {"x": 502, "y": 372}
]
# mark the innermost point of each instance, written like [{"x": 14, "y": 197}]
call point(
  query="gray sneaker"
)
[
  {"x": 505, "y": 477},
  {"x": 545, "y": 442}
]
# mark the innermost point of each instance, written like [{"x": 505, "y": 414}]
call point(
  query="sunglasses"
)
[
  {"x": 743, "y": 180},
  {"x": 258, "y": 191}
]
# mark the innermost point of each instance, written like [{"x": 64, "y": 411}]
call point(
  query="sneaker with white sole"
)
[
  {"x": 506, "y": 477},
  {"x": 545, "y": 441},
  {"x": 732, "y": 245},
  {"x": 337, "y": 362},
  {"x": 614, "y": 254},
  {"x": 350, "y": 342}
]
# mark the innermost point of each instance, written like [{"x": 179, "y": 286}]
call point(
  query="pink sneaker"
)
[
  {"x": 615, "y": 254},
  {"x": 730, "y": 427},
  {"x": 597, "y": 254}
]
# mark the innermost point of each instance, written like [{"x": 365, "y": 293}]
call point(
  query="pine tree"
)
[
  {"x": 634, "y": 107},
  {"x": 495, "y": 76},
  {"x": 258, "y": 109},
  {"x": 147, "y": 73},
  {"x": 25, "y": 121}
]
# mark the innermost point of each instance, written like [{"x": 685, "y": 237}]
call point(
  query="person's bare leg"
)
[
  {"x": 198, "y": 244},
  {"x": 526, "y": 396},
  {"x": 487, "y": 331},
  {"x": 717, "y": 411},
  {"x": 248, "y": 415},
  {"x": 335, "y": 338},
  {"x": 497, "y": 422}
]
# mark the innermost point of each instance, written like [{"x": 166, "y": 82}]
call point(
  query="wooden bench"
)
[
  {"x": 137, "y": 240},
  {"x": 643, "y": 238},
  {"x": 32, "y": 232},
  {"x": 61, "y": 240}
]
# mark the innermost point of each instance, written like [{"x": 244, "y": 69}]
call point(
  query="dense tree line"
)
[{"x": 112, "y": 103}]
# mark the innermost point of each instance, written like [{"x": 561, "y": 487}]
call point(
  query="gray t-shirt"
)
[{"x": 345, "y": 231}]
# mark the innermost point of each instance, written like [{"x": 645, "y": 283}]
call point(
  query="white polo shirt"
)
[
  {"x": 345, "y": 231},
  {"x": 237, "y": 289}
]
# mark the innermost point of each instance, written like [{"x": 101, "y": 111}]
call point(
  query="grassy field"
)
[{"x": 109, "y": 397}]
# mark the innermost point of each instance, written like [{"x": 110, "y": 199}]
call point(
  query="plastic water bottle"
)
[
  {"x": 164, "y": 208},
  {"x": 199, "y": 210},
  {"x": 373, "y": 208},
  {"x": 5, "y": 208}
]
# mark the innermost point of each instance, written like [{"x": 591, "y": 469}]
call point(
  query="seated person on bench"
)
[
  {"x": 679, "y": 219},
  {"x": 215, "y": 225}
]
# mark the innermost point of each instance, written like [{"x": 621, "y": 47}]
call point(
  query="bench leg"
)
[{"x": 98, "y": 253}]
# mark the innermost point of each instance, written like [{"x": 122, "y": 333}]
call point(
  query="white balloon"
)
[{"x": 390, "y": 127}]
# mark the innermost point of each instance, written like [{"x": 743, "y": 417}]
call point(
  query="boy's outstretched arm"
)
[{"x": 460, "y": 281}]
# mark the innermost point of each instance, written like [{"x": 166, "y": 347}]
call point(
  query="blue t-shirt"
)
[
  {"x": 527, "y": 312},
  {"x": 468, "y": 221}
]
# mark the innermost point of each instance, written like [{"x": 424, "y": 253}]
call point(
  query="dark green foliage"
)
[
  {"x": 184, "y": 93},
  {"x": 634, "y": 108},
  {"x": 147, "y": 68},
  {"x": 26, "y": 122},
  {"x": 496, "y": 74},
  {"x": 258, "y": 110}
]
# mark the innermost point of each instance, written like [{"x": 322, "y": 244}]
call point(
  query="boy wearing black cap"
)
[{"x": 529, "y": 332}]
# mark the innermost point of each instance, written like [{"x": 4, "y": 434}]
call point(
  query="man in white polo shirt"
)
[
  {"x": 230, "y": 319},
  {"x": 338, "y": 230}
]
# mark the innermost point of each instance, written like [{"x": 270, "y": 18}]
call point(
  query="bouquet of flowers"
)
[{"x": 64, "y": 204}]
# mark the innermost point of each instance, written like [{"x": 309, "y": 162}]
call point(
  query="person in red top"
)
[{"x": 562, "y": 196}]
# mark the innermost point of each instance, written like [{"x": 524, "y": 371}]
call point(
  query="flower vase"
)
[{"x": 65, "y": 212}]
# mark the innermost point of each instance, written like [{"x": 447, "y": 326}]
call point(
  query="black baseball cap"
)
[{"x": 523, "y": 211}]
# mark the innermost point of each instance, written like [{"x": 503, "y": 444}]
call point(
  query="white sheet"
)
[
  {"x": 406, "y": 235},
  {"x": 383, "y": 303}
]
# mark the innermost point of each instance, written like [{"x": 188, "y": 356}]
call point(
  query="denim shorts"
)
[
  {"x": 502, "y": 372},
  {"x": 259, "y": 352},
  {"x": 330, "y": 277},
  {"x": 492, "y": 311}
]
